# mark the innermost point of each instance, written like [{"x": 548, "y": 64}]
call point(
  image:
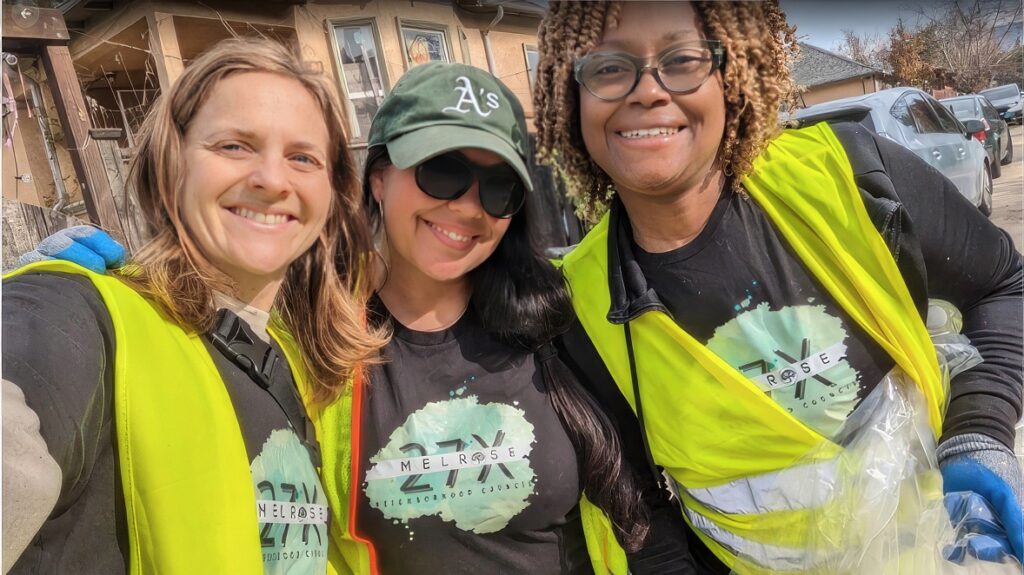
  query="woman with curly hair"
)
[{"x": 755, "y": 299}]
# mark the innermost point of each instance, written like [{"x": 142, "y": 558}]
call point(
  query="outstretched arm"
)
[
  {"x": 974, "y": 265},
  {"x": 57, "y": 401}
]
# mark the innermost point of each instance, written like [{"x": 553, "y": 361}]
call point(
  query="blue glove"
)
[
  {"x": 86, "y": 246},
  {"x": 980, "y": 533},
  {"x": 985, "y": 488}
]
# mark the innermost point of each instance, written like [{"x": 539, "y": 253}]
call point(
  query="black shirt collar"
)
[
  {"x": 630, "y": 293},
  {"x": 379, "y": 315}
]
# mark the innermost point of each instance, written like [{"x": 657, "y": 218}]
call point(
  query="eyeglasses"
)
[
  {"x": 449, "y": 176},
  {"x": 613, "y": 75}
]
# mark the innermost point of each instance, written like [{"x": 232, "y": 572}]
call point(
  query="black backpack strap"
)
[
  {"x": 267, "y": 368},
  {"x": 884, "y": 207}
]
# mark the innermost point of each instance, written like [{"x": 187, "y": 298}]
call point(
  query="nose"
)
[
  {"x": 270, "y": 175},
  {"x": 648, "y": 91},
  {"x": 468, "y": 204}
]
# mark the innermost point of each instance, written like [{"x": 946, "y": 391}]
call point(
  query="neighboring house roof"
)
[{"x": 817, "y": 66}]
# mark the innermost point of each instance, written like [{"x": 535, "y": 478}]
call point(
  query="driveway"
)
[
  {"x": 1008, "y": 192},
  {"x": 1008, "y": 213}
]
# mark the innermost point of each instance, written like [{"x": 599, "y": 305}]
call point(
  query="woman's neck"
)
[
  {"x": 424, "y": 304},
  {"x": 258, "y": 293},
  {"x": 664, "y": 223}
]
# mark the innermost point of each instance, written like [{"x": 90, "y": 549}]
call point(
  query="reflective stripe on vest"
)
[
  {"x": 770, "y": 492},
  {"x": 769, "y": 556},
  {"x": 726, "y": 436},
  {"x": 188, "y": 493}
]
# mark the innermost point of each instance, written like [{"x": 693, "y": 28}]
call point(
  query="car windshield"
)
[
  {"x": 1001, "y": 92},
  {"x": 963, "y": 109}
]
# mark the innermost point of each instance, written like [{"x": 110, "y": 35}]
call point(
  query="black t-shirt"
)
[
  {"x": 466, "y": 467},
  {"x": 58, "y": 347},
  {"x": 738, "y": 289}
]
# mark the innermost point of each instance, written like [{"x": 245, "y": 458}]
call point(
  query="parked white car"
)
[{"x": 917, "y": 121}]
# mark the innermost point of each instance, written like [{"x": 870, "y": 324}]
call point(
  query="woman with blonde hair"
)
[
  {"x": 754, "y": 300},
  {"x": 159, "y": 424}
]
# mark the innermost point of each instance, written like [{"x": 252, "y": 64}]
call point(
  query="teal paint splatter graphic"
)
[
  {"x": 291, "y": 507},
  {"x": 798, "y": 356},
  {"x": 460, "y": 460}
]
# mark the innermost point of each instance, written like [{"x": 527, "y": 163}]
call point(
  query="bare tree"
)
[
  {"x": 972, "y": 42},
  {"x": 868, "y": 49}
]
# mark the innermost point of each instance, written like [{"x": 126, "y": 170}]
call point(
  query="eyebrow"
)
[
  {"x": 233, "y": 132},
  {"x": 307, "y": 146},
  {"x": 667, "y": 38},
  {"x": 250, "y": 135}
]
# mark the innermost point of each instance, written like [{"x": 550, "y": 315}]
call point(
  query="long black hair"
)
[{"x": 527, "y": 306}]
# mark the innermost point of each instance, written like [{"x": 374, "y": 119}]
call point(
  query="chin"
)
[
  {"x": 449, "y": 271},
  {"x": 447, "y": 275},
  {"x": 649, "y": 184},
  {"x": 262, "y": 265}
]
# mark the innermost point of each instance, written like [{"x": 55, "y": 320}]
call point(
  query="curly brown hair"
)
[{"x": 759, "y": 46}]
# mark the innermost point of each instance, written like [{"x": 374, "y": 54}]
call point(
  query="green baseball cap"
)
[{"x": 439, "y": 107}]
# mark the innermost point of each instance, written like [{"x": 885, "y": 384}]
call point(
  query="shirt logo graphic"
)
[
  {"x": 466, "y": 462},
  {"x": 796, "y": 355},
  {"x": 467, "y": 96},
  {"x": 290, "y": 506}
]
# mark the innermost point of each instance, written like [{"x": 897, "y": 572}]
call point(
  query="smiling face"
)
[
  {"x": 436, "y": 240},
  {"x": 256, "y": 187},
  {"x": 652, "y": 142}
]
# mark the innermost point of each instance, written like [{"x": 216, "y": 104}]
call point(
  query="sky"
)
[{"x": 821, "y": 22}]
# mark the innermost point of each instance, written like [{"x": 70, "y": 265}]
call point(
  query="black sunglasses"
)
[{"x": 448, "y": 176}]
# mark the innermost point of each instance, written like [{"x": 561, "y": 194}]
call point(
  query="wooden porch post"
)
[
  {"x": 163, "y": 43},
  {"x": 85, "y": 153},
  {"x": 42, "y": 30}
]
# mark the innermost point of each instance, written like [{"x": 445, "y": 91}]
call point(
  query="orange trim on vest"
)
[{"x": 357, "y": 454}]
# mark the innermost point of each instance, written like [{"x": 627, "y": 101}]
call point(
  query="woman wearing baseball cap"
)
[{"x": 471, "y": 446}]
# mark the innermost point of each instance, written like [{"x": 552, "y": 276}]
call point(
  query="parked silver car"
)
[{"x": 915, "y": 120}]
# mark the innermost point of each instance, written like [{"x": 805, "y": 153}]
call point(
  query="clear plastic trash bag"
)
[
  {"x": 955, "y": 351},
  {"x": 885, "y": 512}
]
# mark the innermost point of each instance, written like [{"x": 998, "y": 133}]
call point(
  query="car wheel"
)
[
  {"x": 1008, "y": 157},
  {"x": 986, "y": 192}
]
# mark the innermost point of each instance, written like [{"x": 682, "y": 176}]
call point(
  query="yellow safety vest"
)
[
  {"x": 726, "y": 441},
  {"x": 338, "y": 428},
  {"x": 189, "y": 498}
]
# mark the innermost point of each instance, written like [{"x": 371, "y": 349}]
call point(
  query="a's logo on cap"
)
[{"x": 467, "y": 96}]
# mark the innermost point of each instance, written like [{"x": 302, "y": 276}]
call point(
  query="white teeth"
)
[
  {"x": 259, "y": 217},
  {"x": 649, "y": 132},
  {"x": 451, "y": 234}
]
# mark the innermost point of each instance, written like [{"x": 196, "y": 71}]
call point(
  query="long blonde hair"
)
[
  {"x": 759, "y": 46},
  {"x": 323, "y": 297}
]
